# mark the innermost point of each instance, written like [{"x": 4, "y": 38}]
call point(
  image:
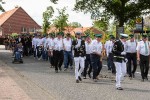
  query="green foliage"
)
[
  {"x": 54, "y": 1},
  {"x": 60, "y": 22},
  {"x": 14, "y": 35},
  {"x": 75, "y": 24},
  {"x": 1, "y": 7},
  {"x": 46, "y": 16},
  {"x": 89, "y": 32},
  {"x": 121, "y": 10},
  {"x": 101, "y": 24}
]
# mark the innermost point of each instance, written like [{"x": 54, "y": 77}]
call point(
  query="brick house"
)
[
  {"x": 17, "y": 21},
  {"x": 72, "y": 30}
]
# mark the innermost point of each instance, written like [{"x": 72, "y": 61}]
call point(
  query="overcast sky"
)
[{"x": 35, "y": 8}]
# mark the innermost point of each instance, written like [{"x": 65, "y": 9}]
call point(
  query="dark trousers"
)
[
  {"x": 34, "y": 51},
  {"x": 87, "y": 65},
  {"x": 108, "y": 63},
  {"x": 39, "y": 51},
  {"x": 44, "y": 54},
  {"x": 51, "y": 60},
  {"x": 58, "y": 59},
  {"x": 25, "y": 49},
  {"x": 144, "y": 66},
  {"x": 112, "y": 66},
  {"x": 131, "y": 58},
  {"x": 96, "y": 65}
]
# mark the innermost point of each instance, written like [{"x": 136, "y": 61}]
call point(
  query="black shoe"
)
[
  {"x": 130, "y": 77},
  {"x": 56, "y": 71},
  {"x": 77, "y": 81},
  {"x": 95, "y": 80},
  {"x": 65, "y": 69},
  {"x": 60, "y": 69},
  {"x": 142, "y": 80},
  {"x": 119, "y": 88},
  {"x": 89, "y": 75},
  {"x": 133, "y": 75},
  {"x": 80, "y": 79},
  {"x": 146, "y": 78},
  {"x": 84, "y": 77}
]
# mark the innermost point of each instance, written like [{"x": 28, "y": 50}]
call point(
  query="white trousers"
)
[
  {"x": 78, "y": 61},
  {"x": 120, "y": 72}
]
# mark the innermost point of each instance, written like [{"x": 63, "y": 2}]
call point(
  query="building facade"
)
[{"x": 17, "y": 21}]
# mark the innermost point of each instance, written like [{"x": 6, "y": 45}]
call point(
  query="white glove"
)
[
  {"x": 77, "y": 46},
  {"x": 126, "y": 60},
  {"x": 123, "y": 53}
]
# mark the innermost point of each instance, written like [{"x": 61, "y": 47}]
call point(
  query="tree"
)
[
  {"x": 101, "y": 24},
  {"x": 46, "y": 16},
  {"x": 75, "y": 24},
  {"x": 1, "y": 7},
  {"x": 61, "y": 21},
  {"x": 121, "y": 10}
]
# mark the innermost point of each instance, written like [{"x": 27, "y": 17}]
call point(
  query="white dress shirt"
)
[
  {"x": 67, "y": 44},
  {"x": 141, "y": 48},
  {"x": 109, "y": 47},
  {"x": 106, "y": 44},
  {"x": 88, "y": 47},
  {"x": 34, "y": 41},
  {"x": 96, "y": 47},
  {"x": 131, "y": 46},
  {"x": 44, "y": 40},
  {"x": 58, "y": 44},
  {"x": 39, "y": 42}
]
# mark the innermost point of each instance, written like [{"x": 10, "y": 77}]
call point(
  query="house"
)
[
  {"x": 72, "y": 30},
  {"x": 17, "y": 21}
]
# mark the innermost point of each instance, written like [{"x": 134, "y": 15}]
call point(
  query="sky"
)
[{"x": 35, "y": 8}]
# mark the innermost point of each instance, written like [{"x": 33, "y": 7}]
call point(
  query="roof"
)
[
  {"x": 6, "y": 15},
  {"x": 72, "y": 30}
]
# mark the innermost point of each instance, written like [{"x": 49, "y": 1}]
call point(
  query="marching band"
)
[{"x": 87, "y": 54}]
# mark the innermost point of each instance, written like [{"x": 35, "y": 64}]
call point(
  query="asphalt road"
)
[{"x": 40, "y": 82}]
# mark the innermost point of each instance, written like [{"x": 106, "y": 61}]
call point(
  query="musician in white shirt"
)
[
  {"x": 131, "y": 56},
  {"x": 39, "y": 46},
  {"x": 143, "y": 51},
  {"x": 50, "y": 46},
  {"x": 34, "y": 41},
  {"x": 96, "y": 53},
  {"x": 68, "y": 57},
  {"x": 110, "y": 55},
  {"x": 88, "y": 64},
  {"x": 58, "y": 51}
]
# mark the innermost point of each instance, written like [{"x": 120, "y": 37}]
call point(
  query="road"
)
[{"x": 40, "y": 82}]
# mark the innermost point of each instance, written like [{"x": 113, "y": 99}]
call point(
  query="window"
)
[
  {"x": 32, "y": 30},
  {"x": 23, "y": 30}
]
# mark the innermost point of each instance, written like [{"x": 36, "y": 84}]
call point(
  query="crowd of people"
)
[{"x": 86, "y": 53}]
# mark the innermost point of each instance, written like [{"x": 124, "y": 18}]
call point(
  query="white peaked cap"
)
[{"x": 124, "y": 35}]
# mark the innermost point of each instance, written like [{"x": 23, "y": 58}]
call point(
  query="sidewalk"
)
[{"x": 9, "y": 90}]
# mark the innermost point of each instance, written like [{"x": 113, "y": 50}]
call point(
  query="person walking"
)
[
  {"x": 96, "y": 54},
  {"x": 58, "y": 51},
  {"x": 110, "y": 54},
  {"x": 143, "y": 50},
  {"x": 68, "y": 57},
  {"x": 88, "y": 64},
  {"x": 120, "y": 59},
  {"x": 78, "y": 46},
  {"x": 131, "y": 56}
]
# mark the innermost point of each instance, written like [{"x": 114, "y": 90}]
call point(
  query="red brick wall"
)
[{"x": 18, "y": 20}]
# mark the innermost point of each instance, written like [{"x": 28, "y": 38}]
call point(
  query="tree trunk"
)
[{"x": 121, "y": 23}]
